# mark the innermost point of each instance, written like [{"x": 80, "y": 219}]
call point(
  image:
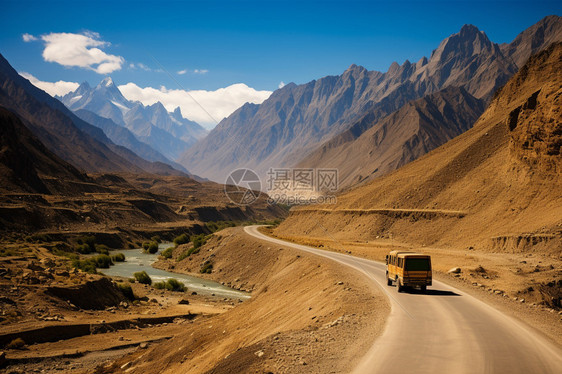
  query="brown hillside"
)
[
  {"x": 503, "y": 175},
  {"x": 27, "y": 165}
]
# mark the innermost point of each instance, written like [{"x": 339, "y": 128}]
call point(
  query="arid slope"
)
[
  {"x": 503, "y": 176},
  {"x": 306, "y": 314}
]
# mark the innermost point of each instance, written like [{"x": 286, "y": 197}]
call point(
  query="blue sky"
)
[{"x": 259, "y": 44}]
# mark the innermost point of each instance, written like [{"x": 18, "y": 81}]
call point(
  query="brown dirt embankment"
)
[{"x": 305, "y": 312}]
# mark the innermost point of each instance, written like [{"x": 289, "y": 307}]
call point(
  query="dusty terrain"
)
[
  {"x": 73, "y": 321},
  {"x": 306, "y": 313},
  {"x": 489, "y": 201}
]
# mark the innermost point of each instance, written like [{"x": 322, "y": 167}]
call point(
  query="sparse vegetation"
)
[
  {"x": 198, "y": 241},
  {"x": 219, "y": 225},
  {"x": 181, "y": 239},
  {"x": 150, "y": 247},
  {"x": 89, "y": 265},
  {"x": 206, "y": 268},
  {"x": 118, "y": 257},
  {"x": 142, "y": 277},
  {"x": 167, "y": 253},
  {"x": 126, "y": 290},
  {"x": 102, "y": 249},
  {"x": 170, "y": 285},
  {"x": 156, "y": 238}
]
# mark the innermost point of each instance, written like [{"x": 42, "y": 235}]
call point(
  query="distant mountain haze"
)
[
  {"x": 297, "y": 119},
  {"x": 83, "y": 145},
  {"x": 416, "y": 128},
  {"x": 166, "y": 132}
]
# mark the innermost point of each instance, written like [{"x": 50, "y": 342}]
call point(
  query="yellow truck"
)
[{"x": 408, "y": 269}]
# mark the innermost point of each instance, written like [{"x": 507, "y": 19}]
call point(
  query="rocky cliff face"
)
[
  {"x": 297, "y": 119},
  {"x": 401, "y": 137}
]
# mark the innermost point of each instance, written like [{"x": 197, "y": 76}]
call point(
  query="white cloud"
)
[
  {"x": 196, "y": 71},
  {"x": 219, "y": 104},
  {"x": 281, "y": 84},
  {"x": 59, "y": 88},
  {"x": 28, "y": 38},
  {"x": 81, "y": 50},
  {"x": 139, "y": 65}
]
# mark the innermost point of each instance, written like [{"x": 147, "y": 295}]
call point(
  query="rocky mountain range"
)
[
  {"x": 495, "y": 186},
  {"x": 72, "y": 139},
  {"x": 297, "y": 119},
  {"x": 166, "y": 132},
  {"x": 401, "y": 137}
]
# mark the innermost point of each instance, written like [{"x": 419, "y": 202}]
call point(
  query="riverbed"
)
[{"x": 137, "y": 260}]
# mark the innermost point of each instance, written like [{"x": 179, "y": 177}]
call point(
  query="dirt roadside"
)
[
  {"x": 306, "y": 314},
  {"x": 523, "y": 286}
]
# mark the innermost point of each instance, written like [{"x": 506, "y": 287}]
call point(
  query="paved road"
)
[{"x": 444, "y": 331}]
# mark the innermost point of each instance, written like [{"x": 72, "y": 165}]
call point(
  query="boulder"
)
[{"x": 456, "y": 270}]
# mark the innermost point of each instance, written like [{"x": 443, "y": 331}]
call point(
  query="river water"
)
[{"x": 137, "y": 260}]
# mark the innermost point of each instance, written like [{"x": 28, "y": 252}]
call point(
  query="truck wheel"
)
[
  {"x": 399, "y": 286},
  {"x": 423, "y": 289},
  {"x": 388, "y": 281}
]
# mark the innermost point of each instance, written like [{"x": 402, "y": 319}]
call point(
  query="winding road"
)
[{"x": 443, "y": 331}]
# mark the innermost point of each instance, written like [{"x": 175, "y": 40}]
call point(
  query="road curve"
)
[{"x": 443, "y": 331}]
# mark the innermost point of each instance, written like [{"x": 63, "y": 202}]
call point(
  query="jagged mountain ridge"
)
[
  {"x": 83, "y": 145},
  {"x": 418, "y": 127},
  {"x": 167, "y": 132},
  {"x": 122, "y": 136},
  {"x": 297, "y": 119},
  {"x": 504, "y": 176}
]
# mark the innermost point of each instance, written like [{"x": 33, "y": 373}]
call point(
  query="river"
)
[{"x": 138, "y": 260}]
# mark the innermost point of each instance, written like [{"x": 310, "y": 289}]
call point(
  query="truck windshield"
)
[{"x": 417, "y": 264}]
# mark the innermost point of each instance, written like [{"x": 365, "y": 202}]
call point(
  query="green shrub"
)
[
  {"x": 199, "y": 240},
  {"x": 142, "y": 277},
  {"x": 126, "y": 290},
  {"x": 171, "y": 285},
  {"x": 87, "y": 266},
  {"x": 17, "y": 343},
  {"x": 182, "y": 239},
  {"x": 207, "y": 268},
  {"x": 150, "y": 247},
  {"x": 175, "y": 285},
  {"x": 156, "y": 239},
  {"x": 103, "y": 261},
  {"x": 90, "y": 240},
  {"x": 182, "y": 256},
  {"x": 219, "y": 225},
  {"x": 102, "y": 248},
  {"x": 118, "y": 257},
  {"x": 83, "y": 249},
  {"x": 168, "y": 252},
  {"x": 159, "y": 285}
]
